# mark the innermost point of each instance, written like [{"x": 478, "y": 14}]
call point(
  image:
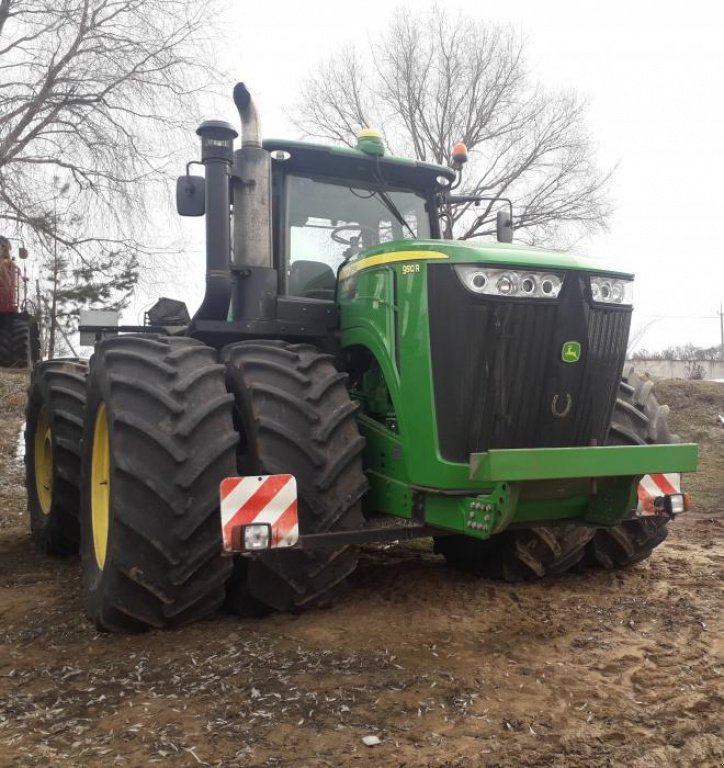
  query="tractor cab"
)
[{"x": 329, "y": 204}]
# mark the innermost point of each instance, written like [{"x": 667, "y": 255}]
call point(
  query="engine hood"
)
[{"x": 465, "y": 252}]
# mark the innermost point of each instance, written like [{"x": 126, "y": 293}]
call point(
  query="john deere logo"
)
[{"x": 571, "y": 352}]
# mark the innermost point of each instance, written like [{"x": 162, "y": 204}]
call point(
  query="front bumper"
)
[
  {"x": 596, "y": 486},
  {"x": 523, "y": 464}
]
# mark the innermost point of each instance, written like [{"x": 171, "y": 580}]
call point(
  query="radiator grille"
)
[{"x": 497, "y": 370}]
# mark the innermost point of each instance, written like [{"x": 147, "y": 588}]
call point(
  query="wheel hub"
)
[
  {"x": 100, "y": 485},
  {"x": 43, "y": 460}
]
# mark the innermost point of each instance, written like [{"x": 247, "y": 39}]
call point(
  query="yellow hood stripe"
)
[{"x": 388, "y": 258}]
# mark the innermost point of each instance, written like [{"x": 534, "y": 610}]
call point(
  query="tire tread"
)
[
  {"x": 172, "y": 442},
  {"x": 295, "y": 411}
]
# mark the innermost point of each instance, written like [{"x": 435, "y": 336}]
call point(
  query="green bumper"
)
[
  {"x": 565, "y": 463},
  {"x": 594, "y": 486}
]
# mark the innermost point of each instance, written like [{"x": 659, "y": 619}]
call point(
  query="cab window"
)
[{"x": 328, "y": 223}]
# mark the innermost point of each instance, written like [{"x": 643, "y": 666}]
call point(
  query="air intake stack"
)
[{"x": 217, "y": 147}]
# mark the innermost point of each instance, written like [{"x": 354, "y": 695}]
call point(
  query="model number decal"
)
[{"x": 409, "y": 269}]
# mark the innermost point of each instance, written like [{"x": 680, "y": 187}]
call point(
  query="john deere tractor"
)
[{"x": 349, "y": 377}]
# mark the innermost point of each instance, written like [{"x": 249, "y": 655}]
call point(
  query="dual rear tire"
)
[
  {"x": 517, "y": 555},
  {"x": 639, "y": 419},
  {"x": 159, "y": 430}
]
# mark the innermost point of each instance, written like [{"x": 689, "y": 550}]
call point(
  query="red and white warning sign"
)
[
  {"x": 652, "y": 487},
  {"x": 259, "y": 499}
]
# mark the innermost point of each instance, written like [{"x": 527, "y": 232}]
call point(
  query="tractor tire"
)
[
  {"x": 35, "y": 352},
  {"x": 53, "y": 433},
  {"x": 15, "y": 341},
  {"x": 294, "y": 415},
  {"x": 637, "y": 419},
  {"x": 6, "y": 344},
  {"x": 158, "y": 439},
  {"x": 519, "y": 554}
]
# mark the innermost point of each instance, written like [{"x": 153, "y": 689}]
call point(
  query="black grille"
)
[{"x": 498, "y": 374}]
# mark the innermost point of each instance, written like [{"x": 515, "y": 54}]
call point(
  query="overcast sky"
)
[{"x": 651, "y": 72}]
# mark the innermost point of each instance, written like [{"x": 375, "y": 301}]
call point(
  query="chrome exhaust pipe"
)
[
  {"x": 250, "y": 126},
  {"x": 252, "y": 190}
]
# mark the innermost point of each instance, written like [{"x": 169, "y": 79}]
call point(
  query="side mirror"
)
[
  {"x": 504, "y": 227},
  {"x": 23, "y": 252},
  {"x": 191, "y": 195}
]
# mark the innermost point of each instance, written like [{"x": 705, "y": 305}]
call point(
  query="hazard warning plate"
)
[
  {"x": 261, "y": 509},
  {"x": 653, "y": 487}
]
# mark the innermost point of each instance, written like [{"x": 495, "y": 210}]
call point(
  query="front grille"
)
[{"x": 497, "y": 370}]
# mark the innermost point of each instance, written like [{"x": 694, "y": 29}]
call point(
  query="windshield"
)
[{"x": 328, "y": 223}]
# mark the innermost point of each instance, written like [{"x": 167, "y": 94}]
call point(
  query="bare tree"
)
[
  {"x": 636, "y": 336},
  {"x": 95, "y": 97},
  {"x": 101, "y": 279},
  {"x": 434, "y": 80}
]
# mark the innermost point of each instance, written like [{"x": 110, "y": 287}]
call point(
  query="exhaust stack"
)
[
  {"x": 250, "y": 125},
  {"x": 217, "y": 146},
  {"x": 252, "y": 190}
]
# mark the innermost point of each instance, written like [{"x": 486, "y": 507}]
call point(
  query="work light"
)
[
  {"x": 521, "y": 284},
  {"x": 257, "y": 536},
  {"x": 611, "y": 290}
]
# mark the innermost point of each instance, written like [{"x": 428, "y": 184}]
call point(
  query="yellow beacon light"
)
[{"x": 370, "y": 142}]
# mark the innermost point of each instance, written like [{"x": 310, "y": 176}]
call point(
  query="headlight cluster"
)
[
  {"x": 612, "y": 290},
  {"x": 515, "y": 283}
]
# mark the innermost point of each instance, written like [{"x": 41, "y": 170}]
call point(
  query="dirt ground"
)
[{"x": 599, "y": 669}]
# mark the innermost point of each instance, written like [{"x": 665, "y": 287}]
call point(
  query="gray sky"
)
[{"x": 651, "y": 73}]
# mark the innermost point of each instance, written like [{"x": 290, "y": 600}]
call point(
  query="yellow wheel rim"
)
[
  {"x": 100, "y": 485},
  {"x": 43, "y": 458}
]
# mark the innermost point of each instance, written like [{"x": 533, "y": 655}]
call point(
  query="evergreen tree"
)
[{"x": 70, "y": 282}]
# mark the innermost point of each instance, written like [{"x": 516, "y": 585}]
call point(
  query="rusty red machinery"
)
[
  {"x": 10, "y": 282},
  {"x": 19, "y": 334}
]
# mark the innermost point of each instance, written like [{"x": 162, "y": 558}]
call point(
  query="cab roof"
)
[{"x": 347, "y": 163}]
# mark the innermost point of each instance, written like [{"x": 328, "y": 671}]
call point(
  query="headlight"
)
[
  {"x": 520, "y": 284},
  {"x": 612, "y": 290}
]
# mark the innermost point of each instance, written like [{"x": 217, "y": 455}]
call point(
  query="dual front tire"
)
[
  {"x": 159, "y": 420},
  {"x": 158, "y": 440},
  {"x": 162, "y": 427}
]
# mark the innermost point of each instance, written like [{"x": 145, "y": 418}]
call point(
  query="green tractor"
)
[{"x": 349, "y": 377}]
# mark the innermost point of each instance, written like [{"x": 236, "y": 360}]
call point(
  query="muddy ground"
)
[{"x": 599, "y": 669}]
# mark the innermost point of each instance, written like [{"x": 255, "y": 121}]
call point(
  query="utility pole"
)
[{"x": 721, "y": 328}]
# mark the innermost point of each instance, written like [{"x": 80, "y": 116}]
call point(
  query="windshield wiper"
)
[{"x": 394, "y": 210}]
